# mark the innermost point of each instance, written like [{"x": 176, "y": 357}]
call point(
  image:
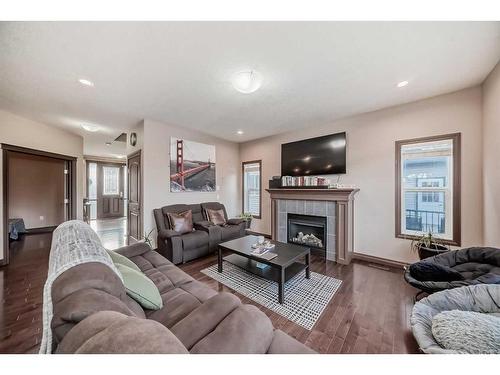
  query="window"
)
[
  {"x": 252, "y": 178},
  {"x": 111, "y": 180},
  {"x": 428, "y": 188}
]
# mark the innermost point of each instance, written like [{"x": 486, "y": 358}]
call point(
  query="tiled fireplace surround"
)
[
  {"x": 315, "y": 208},
  {"x": 337, "y": 205}
]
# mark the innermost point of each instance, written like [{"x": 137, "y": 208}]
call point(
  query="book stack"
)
[{"x": 304, "y": 181}]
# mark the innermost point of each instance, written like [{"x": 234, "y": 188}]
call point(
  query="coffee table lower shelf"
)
[{"x": 269, "y": 273}]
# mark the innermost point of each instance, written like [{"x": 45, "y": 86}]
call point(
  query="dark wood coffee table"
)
[{"x": 281, "y": 269}]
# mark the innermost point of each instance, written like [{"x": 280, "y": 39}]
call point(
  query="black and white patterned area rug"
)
[{"x": 305, "y": 299}]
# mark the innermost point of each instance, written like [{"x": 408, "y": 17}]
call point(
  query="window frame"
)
[
  {"x": 456, "y": 186},
  {"x": 259, "y": 162}
]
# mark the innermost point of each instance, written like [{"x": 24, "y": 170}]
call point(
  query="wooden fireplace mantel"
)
[{"x": 344, "y": 199}]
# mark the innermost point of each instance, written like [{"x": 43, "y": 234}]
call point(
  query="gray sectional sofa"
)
[
  {"x": 92, "y": 313},
  {"x": 203, "y": 240}
]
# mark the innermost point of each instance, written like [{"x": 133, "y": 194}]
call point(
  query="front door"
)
[
  {"x": 134, "y": 198},
  {"x": 110, "y": 190}
]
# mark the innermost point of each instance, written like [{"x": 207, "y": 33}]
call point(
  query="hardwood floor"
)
[
  {"x": 369, "y": 313},
  {"x": 21, "y": 288}
]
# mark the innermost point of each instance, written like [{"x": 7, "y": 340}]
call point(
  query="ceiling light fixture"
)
[
  {"x": 247, "y": 81},
  {"x": 240, "y": 132},
  {"x": 108, "y": 143},
  {"x": 90, "y": 128},
  {"x": 86, "y": 82},
  {"x": 402, "y": 84}
]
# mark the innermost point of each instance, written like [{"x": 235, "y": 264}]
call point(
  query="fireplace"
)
[{"x": 307, "y": 230}]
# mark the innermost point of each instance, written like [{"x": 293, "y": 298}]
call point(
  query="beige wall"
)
[
  {"x": 371, "y": 159},
  {"x": 19, "y": 131},
  {"x": 491, "y": 158},
  {"x": 156, "y": 171},
  {"x": 29, "y": 175}
]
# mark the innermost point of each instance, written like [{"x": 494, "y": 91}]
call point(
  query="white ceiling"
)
[{"x": 179, "y": 72}]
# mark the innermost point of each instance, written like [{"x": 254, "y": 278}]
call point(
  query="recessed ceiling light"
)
[
  {"x": 90, "y": 128},
  {"x": 402, "y": 84},
  {"x": 86, "y": 82},
  {"x": 247, "y": 81},
  {"x": 240, "y": 132},
  {"x": 108, "y": 143}
]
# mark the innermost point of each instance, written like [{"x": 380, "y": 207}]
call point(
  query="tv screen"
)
[{"x": 315, "y": 156}]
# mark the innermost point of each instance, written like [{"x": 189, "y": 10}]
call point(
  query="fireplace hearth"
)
[{"x": 307, "y": 230}]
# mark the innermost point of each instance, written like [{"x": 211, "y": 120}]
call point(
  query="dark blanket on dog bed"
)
[{"x": 475, "y": 265}]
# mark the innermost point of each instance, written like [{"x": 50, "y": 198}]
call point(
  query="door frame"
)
[
  {"x": 70, "y": 187},
  {"x": 141, "y": 211}
]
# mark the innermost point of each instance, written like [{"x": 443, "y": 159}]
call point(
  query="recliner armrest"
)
[
  {"x": 203, "y": 225},
  {"x": 167, "y": 233},
  {"x": 235, "y": 221}
]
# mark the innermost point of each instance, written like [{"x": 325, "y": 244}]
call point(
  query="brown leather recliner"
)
[{"x": 181, "y": 248}]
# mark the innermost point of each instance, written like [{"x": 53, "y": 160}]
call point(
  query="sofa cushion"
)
[
  {"x": 427, "y": 271},
  {"x": 109, "y": 332},
  {"x": 245, "y": 330},
  {"x": 177, "y": 304},
  {"x": 120, "y": 259},
  {"x": 205, "y": 318},
  {"x": 195, "y": 239},
  {"x": 181, "y": 222},
  {"x": 467, "y": 332},
  {"x": 140, "y": 288},
  {"x": 180, "y": 293},
  {"x": 216, "y": 216}
]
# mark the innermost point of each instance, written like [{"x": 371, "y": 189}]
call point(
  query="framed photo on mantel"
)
[{"x": 192, "y": 166}]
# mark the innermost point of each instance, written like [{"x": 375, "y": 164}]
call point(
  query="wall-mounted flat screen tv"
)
[{"x": 314, "y": 156}]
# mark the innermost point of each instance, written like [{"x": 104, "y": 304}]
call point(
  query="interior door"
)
[
  {"x": 109, "y": 190},
  {"x": 134, "y": 198}
]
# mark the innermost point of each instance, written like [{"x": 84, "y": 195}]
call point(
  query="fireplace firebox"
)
[{"x": 307, "y": 230}]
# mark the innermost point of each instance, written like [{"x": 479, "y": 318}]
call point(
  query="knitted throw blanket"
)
[{"x": 73, "y": 243}]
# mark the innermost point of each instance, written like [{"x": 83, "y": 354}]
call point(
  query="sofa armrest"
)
[
  {"x": 135, "y": 249},
  {"x": 164, "y": 234},
  {"x": 214, "y": 233},
  {"x": 235, "y": 221},
  {"x": 169, "y": 244}
]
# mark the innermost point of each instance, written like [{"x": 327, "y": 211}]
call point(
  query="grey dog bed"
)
[
  {"x": 484, "y": 298},
  {"x": 477, "y": 265}
]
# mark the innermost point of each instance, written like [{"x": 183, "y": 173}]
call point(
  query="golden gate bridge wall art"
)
[{"x": 192, "y": 166}]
